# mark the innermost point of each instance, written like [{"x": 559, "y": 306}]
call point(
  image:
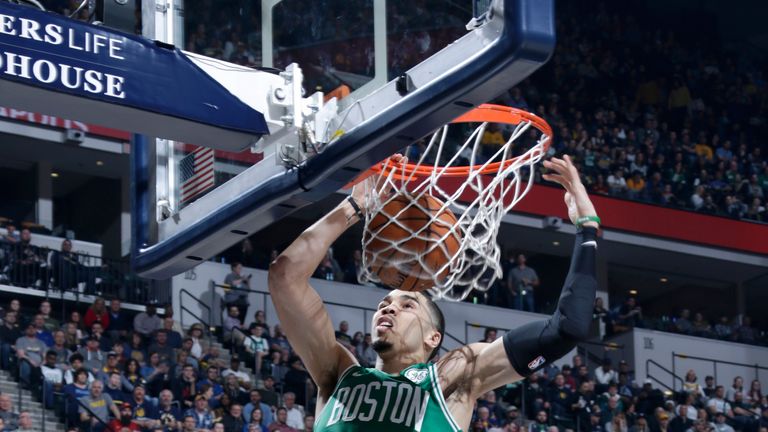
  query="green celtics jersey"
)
[{"x": 369, "y": 400}]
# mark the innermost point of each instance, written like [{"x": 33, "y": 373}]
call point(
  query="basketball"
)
[{"x": 406, "y": 261}]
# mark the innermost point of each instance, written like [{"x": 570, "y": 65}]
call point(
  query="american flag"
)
[{"x": 196, "y": 173}]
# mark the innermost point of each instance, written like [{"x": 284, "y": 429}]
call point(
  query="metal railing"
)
[
  {"x": 675, "y": 377},
  {"x": 58, "y": 272},
  {"x": 265, "y": 294},
  {"x": 207, "y": 324},
  {"x": 757, "y": 368}
]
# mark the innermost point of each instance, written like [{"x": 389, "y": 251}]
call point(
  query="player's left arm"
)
[{"x": 530, "y": 347}]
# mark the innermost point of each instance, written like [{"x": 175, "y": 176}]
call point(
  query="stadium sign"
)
[{"x": 59, "y": 66}]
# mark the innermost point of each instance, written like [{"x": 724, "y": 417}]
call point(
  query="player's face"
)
[{"x": 403, "y": 323}]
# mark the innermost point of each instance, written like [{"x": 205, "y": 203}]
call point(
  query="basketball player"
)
[{"x": 404, "y": 392}]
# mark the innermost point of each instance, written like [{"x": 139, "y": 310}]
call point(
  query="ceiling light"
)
[
  {"x": 556, "y": 243},
  {"x": 99, "y": 163},
  {"x": 633, "y": 292},
  {"x": 663, "y": 280},
  {"x": 55, "y": 175}
]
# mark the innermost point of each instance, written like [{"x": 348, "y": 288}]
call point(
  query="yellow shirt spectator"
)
[
  {"x": 636, "y": 184},
  {"x": 702, "y": 149},
  {"x": 494, "y": 138}
]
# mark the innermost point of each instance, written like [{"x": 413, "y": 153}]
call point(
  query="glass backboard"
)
[{"x": 398, "y": 70}]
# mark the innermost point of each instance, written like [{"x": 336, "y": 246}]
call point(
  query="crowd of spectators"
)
[
  {"x": 654, "y": 113},
  {"x": 629, "y": 314},
  {"x": 24, "y": 264},
  {"x": 105, "y": 367}
]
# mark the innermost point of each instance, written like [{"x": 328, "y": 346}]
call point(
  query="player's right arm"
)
[{"x": 300, "y": 309}]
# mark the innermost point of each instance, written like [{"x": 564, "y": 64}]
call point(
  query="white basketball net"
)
[{"x": 486, "y": 199}]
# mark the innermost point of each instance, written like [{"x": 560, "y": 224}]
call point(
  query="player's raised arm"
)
[
  {"x": 299, "y": 308},
  {"x": 530, "y": 347}
]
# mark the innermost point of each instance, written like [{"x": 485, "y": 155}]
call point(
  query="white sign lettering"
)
[{"x": 49, "y": 71}]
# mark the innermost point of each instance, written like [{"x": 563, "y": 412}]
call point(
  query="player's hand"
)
[
  {"x": 362, "y": 190},
  {"x": 576, "y": 197}
]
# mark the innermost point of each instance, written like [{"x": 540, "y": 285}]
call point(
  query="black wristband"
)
[{"x": 356, "y": 208}]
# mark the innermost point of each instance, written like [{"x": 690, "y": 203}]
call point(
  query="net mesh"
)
[{"x": 477, "y": 185}]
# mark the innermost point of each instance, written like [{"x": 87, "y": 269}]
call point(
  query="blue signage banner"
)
[{"x": 51, "y": 52}]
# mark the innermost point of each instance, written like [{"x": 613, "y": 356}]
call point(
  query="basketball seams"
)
[{"x": 409, "y": 242}]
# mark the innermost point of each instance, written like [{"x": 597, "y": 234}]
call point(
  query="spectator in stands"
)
[
  {"x": 683, "y": 323},
  {"x": 162, "y": 347},
  {"x": 125, "y": 420},
  {"x": 132, "y": 372},
  {"x": 67, "y": 270},
  {"x": 342, "y": 334},
  {"x": 718, "y": 404},
  {"x": 144, "y": 410},
  {"x": 294, "y": 411},
  {"x": 700, "y": 326},
  {"x": 236, "y": 282},
  {"x": 329, "y": 268},
  {"x": 147, "y": 322},
  {"x": 690, "y": 385},
  {"x": 617, "y": 424},
  {"x": 60, "y": 348},
  {"x": 755, "y": 393},
  {"x": 27, "y": 262},
  {"x": 260, "y": 320},
  {"x": 682, "y": 422},
  {"x": 53, "y": 378},
  {"x": 185, "y": 387},
  {"x": 746, "y": 333},
  {"x": 720, "y": 424},
  {"x": 724, "y": 329},
  {"x": 203, "y": 417},
  {"x": 76, "y": 321},
  {"x": 256, "y": 422},
  {"x": 119, "y": 324},
  {"x": 365, "y": 353},
  {"x": 100, "y": 406},
  {"x": 278, "y": 341},
  {"x": 280, "y": 424},
  {"x": 604, "y": 375},
  {"x": 628, "y": 316},
  {"x": 268, "y": 393},
  {"x": 40, "y": 330},
  {"x": 736, "y": 387},
  {"x": 243, "y": 379},
  {"x": 232, "y": 322},
  {"x": 256, "y": 404},
  {"x": 51, "y": 324},
  {"x": 196, "y": 334},
  {"x": 233, "y": 420},
  {"x": 7, "y": 414},
  {"x": 116, "y": 389},
  {"x": 173, "y": 337},
  {"x": 93, "y": 357},
  {"x": 97, "y": 312},
  {"x": 540, "y": 423},
  {"x": 97, "y": 332},
  {"x": 25, "y": 422},
  {"x": 558, "y": 401},
  {"x": 135, "y": 349},
  {"x": 190, "y": 424},
  {"x": 13, "y": 306},
  {"x": 29, "y": 352},
  {"x": 9, "y": 334},
  {"x": 232, "y": 388},
  {"x": 522, "y": 282},
  {"x": 168, "y": 414},
  {"x": 75, "y": 364},
  {"x": 212, "y": 380},
  {"x": 256, "y": 348}
]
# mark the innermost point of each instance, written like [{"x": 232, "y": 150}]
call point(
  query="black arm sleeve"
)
[{"x": 530, "y": 347}]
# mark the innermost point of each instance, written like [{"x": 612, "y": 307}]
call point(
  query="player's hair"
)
[{"x": 438, "y": 319}]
